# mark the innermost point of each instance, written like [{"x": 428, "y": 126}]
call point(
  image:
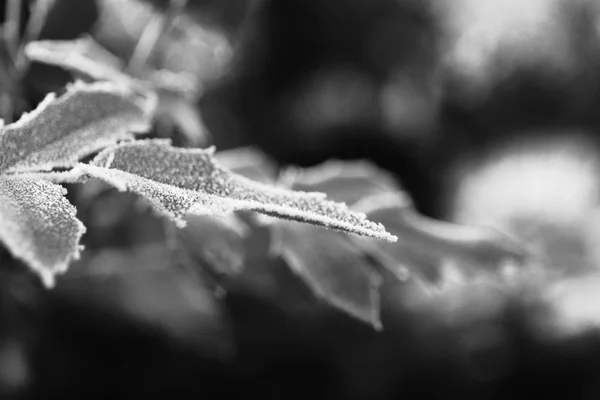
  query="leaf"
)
[
  {"x": 426, "y": 246},
  {"x": 348, "y": 182},
  {"x": 176, "y": 92},
  {"x": 249, "y": 162},
  {"x": 215, "y": 242},
  {"x": 333, "y": 268},
  {"x": 60, "y": 131},
  {"x": 83, "y": 57},
  {"x": 177, "y": 181},
  {"x": 39, "y": 225},
  {"x": 143, "y": 284}
]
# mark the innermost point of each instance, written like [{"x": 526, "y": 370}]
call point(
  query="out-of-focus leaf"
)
[
  {"x": 348, "y": 182},
  {"x": 176, "y": 112},
  {"x": 83, "y": 57},
  {"x": 39, "y": 225},
  {"x": 249, "y": 162},
  {"x": 177, "y": 181},
  {"x": 426, "y": 245},
  {"x": 62, "y": 130},
  {"x": 143, "y": 283},
  {"x": 176, "y": 92},
  {"x": 215, "y": 242},
  {"x": 185, "y": 47},
  {"x": 333, "y": 268}
]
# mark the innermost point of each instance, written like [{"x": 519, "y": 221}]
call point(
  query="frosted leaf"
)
[
  {"x": 176, "y": 92},
  {"x": 60, "y": 131},
  {"x": 332, "y": 266},
  {"x": 178, "y": 181},
  {"x": 83, "y": 57},
  {"x": 39, "y": 225}
]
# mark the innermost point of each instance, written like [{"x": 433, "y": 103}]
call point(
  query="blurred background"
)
[{"x": 484, "y": 111}]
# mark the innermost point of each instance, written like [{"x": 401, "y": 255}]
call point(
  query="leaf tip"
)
[{"x": 48, "y": 278}]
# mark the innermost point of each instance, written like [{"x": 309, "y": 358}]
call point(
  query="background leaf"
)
[
  {"x": 214, "y": 242},
  {"x": 39, "y": 225},
  {"x": 421, "y": 239},
  {"x": 333, "y": 268},
  {"x": 60, "y": 131},
  {"x": 83, "y": 57}
]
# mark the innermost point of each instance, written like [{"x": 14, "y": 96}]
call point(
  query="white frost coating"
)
[
  {"x": 178, "y": 181},
  {"x": 27, "y": 117},
  {"x": 170, "y": 201},
  {"x": 60, "y": 131},
  {"x": 72, "y": 176},
  {"x": 39, "y": 225}
]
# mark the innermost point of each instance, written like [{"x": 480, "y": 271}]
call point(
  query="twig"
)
[{"x": 154, "y": 30}]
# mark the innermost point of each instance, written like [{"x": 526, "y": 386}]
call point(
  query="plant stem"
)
[
  {"x": 12, "y": 27},
  {"x": 39, "y": 12},
  {"x": 154, "y": 30}
]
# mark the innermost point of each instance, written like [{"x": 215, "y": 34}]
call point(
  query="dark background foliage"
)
[{"x": 309, "y": 80}]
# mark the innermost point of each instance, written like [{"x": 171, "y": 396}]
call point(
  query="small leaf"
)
[
  {"x": 83, "y": 57},
  {"x": 39, "y": 225},
  {"x": 332, "y": 266},
  {"x": 215, "y": 242},
  {"x": 60, "y": 131},
  {"x": 250, "y": 163},
  {"x": 348, "y": 182},
  {"x": 178, "y": 181}
]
